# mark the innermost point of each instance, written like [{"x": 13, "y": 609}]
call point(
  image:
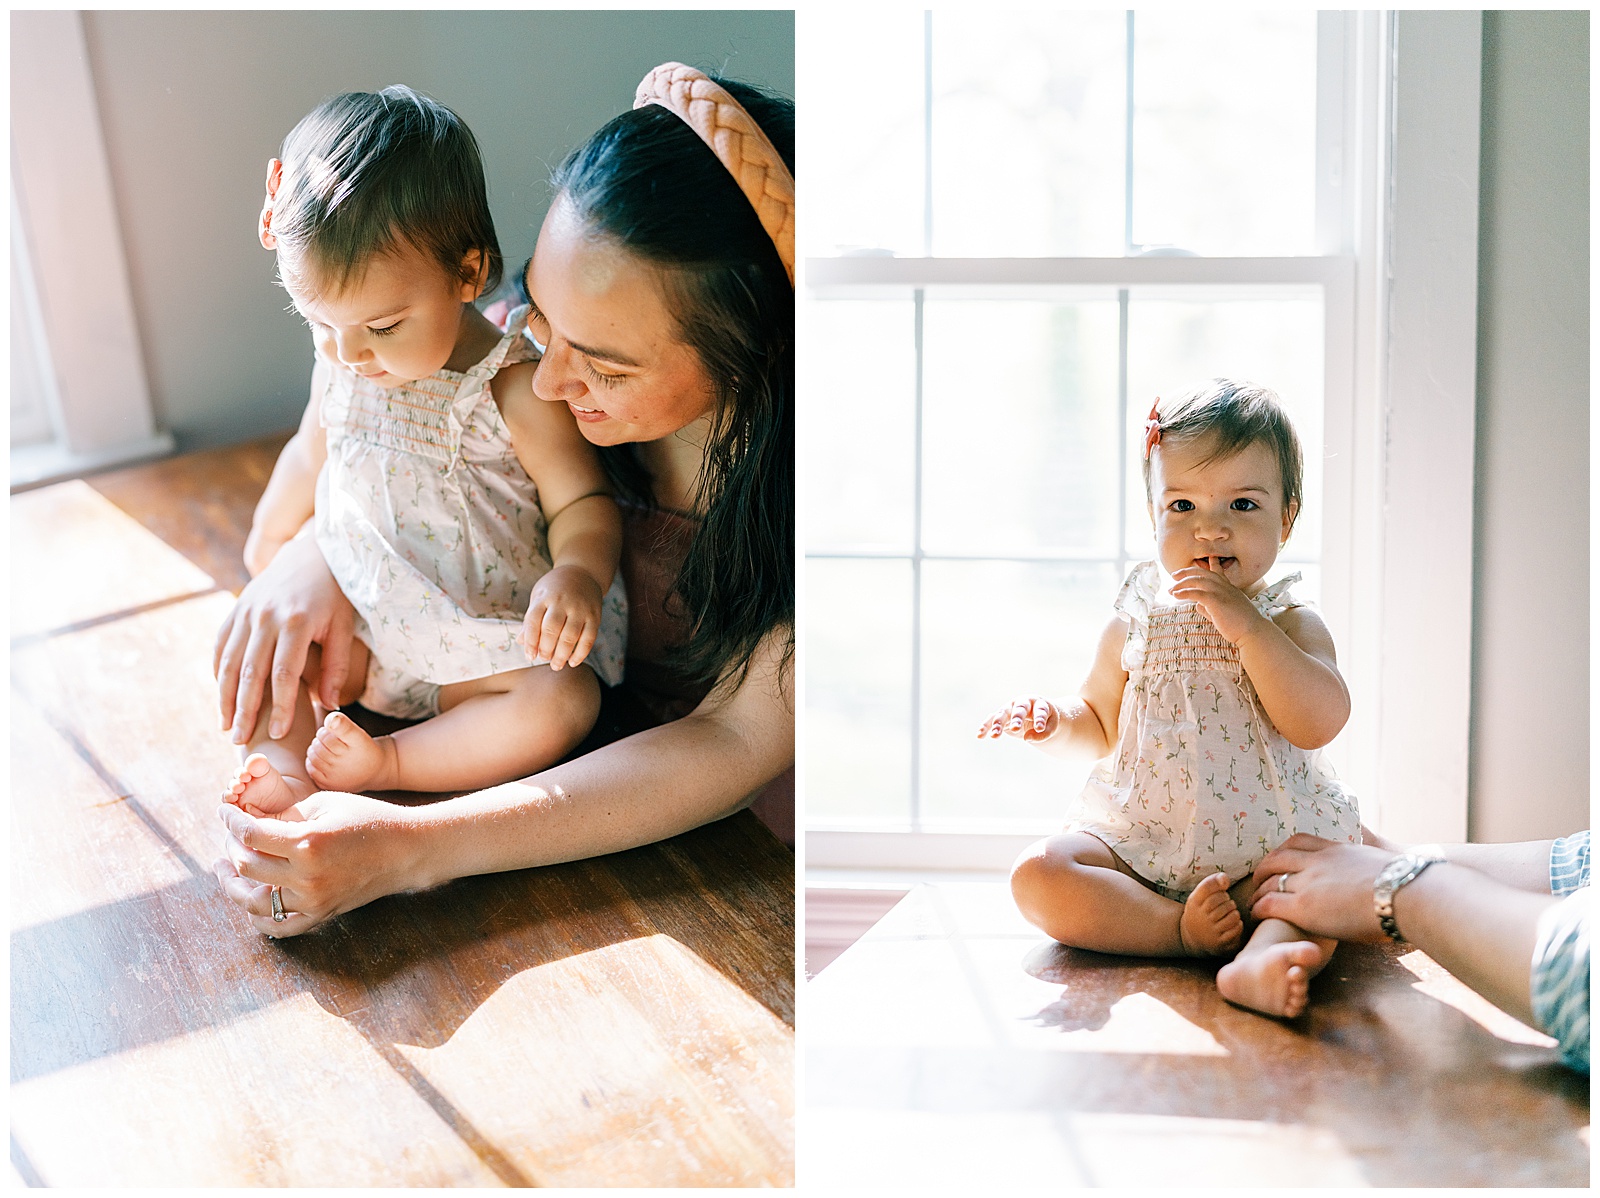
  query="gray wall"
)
[
  {"x": 1530, "y": 702},
  {"x": 194, "y": 103}
]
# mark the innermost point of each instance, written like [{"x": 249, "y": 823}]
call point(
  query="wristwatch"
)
[{"x": 1404, "y": 868}]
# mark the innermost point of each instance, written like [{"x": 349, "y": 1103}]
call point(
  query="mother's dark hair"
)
[{"x": 649, "y": 182}]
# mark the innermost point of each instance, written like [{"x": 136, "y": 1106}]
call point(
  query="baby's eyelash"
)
[{"x": 386, "y": 330}]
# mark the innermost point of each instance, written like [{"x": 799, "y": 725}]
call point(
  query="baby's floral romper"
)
[
  {"x": 1200, "y": 780},
  {"x": 435, "y": 533}
]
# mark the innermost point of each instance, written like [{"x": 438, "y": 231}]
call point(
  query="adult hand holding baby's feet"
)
[
  {"x": 1032, "y": 718},
  {"x": 330, "y": 853},
  {"x": 1227, "y": 607},
  {"x": 563, "y": 617}
]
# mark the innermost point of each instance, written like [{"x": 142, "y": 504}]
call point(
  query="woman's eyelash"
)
[{"x": 605, "y": 380}]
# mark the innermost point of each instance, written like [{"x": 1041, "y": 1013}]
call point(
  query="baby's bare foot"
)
[
  {"x": 260, "y": 789},
  {"x": 343, "y": 757},
  {"x": 1210, "y": 924},
  {"x": 1273, "y": 980}
]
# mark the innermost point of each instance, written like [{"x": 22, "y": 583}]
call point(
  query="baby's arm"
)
[
  {"x": 1290, "y": 660},
  {"x": 1291, "y": 663},
  {"x": 584, "y": 525},
  {"x": 288, "y": 500},
  {"x": 1086, "y": 726}
]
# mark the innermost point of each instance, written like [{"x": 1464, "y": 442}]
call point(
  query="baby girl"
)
[
  {"x": 469, "y": 523},
  {"x": 1210, "y": 693}
]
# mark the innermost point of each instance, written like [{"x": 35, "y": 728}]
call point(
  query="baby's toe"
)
[{"x": 1297, "y": 989}]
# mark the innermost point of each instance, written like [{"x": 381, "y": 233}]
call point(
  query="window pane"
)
[
  {"x": 1175, "y": 345},
  {"x": 863, "y": 130},
  {"x": 858, "y": 373},
  {"x": 993, "y": 631},
  {"x": 858, "y": 692},
  {"x": 1028, "y": 133},
  {"x": 1019, "y": 426},
  {"x": 1224, "y": 139}
]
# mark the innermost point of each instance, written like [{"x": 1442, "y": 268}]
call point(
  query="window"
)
[{"x": 1027, "y": 227}]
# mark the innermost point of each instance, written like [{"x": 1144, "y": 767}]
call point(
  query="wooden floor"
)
[
  {"x": 628, "y": 1020},
  {"x": 953, "y": 1046}
]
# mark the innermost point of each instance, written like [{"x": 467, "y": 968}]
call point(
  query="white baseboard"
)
[
  {"x": 37, "y": 465},
  {"x": 985, "y": 852}
]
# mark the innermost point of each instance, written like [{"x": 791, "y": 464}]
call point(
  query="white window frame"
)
[
  {"x": 72, "y": 276},
  {"x": 1396, "y": 234}
]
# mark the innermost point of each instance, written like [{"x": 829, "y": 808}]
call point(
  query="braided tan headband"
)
[{"x": 736, "y": 140}]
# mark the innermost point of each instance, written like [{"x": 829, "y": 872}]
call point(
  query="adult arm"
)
[
  {"x": 1524, "y": 864},
  {"x": 343, "y": 851},
  {"x": 1479, "y": 928}
]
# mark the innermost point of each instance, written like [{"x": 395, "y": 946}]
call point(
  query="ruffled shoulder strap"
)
[
  {"x": 513, "y": 347},
  {"x": 1275, "y": 599},
  {"x": 1133, "y": 601},
  {"x": 1138, "y": 592},
  {"x": 333, "y": 405}
]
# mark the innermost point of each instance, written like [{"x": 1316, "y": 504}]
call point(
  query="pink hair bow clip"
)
[
  {"x": 269, "y": 241},
  {"x": 1152, "y": 429}
]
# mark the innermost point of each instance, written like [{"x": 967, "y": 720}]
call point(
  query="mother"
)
[{"x": 662, "y": 289}]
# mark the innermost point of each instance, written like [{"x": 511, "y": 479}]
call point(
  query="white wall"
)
[
  {"x": 1530, "y": 685},
  {"x": 194, "y": 103}
]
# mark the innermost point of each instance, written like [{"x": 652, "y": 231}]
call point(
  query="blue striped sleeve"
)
[
  {"x": 1569, "y": 863},
  {"x": 1559, "y": 983}
]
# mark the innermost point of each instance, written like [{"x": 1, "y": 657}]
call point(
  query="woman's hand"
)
[
  {"x": 1327, "y": 887},
  {"x": 563, "y": 617},
  {"x": 1227, "y": 607},
  {"x": 1032, "y": 718},
  {"x": 293, "y": 605},
  {"x": 330, "y": 853}
]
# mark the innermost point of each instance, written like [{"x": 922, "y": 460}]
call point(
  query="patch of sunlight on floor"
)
[
  {"x": 976, "y": 1152},
  {"x": 1438, "y": 983},
  {"x": 1175, "y": 1150},
  {"x": 997, "y": 1151},
  {"x": 1137, "y": 1023},
  {"x": 76, "y": 556}
]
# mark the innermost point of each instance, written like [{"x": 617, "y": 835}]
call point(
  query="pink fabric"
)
[{"x": 654, "y": 543}]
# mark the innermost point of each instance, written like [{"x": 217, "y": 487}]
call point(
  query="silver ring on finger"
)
[
  {"x": 1283, "y": 883},
  {"x": 278, "y": 913}
]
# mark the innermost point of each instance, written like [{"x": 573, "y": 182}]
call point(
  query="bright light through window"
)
[{"x": 974, "y": 497}]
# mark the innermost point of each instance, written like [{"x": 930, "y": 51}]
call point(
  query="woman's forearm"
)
[
  {"x": 1481, "y": 931},
  {"x": 1524, "y": 864},
  {"x": 650, "y": 786},
  {"x": 639, "y": 790}
]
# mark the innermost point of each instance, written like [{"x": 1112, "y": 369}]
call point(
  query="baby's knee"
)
[
  {"x": 1032, "y": 876},
  {"x": 568, "y": 699}
]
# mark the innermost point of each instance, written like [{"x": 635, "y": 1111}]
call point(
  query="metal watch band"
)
[{"x": 1402, "y": 870}]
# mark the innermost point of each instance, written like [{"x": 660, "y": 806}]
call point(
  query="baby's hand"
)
[
  {"x": 1033, "y": 718},
  {"x": 1225, "y": 605},
  {"x": 563, "y": 617}
]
